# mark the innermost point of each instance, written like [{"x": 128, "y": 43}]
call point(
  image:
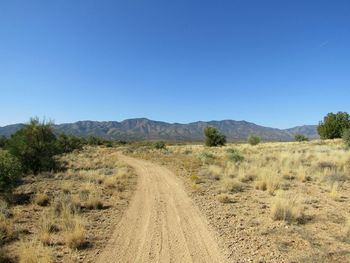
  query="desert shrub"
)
[
  {"x": 234, "y": 155},
  {"x": 253, "y": 140},
  {"x": 346, "y": 137},
  {"x": 206, "y": 157},
  {"x": 10, "y": 171},
  {"x": 159, "y": 145},
  {"x": 35, "y": 146},
  {"x": 213, "y": 137},
  {"x": 300, "y": 138},
  {"x": 69, "y": 143},
  {"x": 333, "y": 125}
]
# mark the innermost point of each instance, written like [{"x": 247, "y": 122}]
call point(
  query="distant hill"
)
[{"x": 145, "y": 129}]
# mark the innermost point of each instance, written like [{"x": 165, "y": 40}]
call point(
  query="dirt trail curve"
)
[{"x": 161, "y": 223}]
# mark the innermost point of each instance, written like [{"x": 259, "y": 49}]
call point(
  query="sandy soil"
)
[{"x": 161, "y": 224}]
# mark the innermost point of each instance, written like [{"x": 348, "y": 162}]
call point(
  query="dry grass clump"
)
[
  {"x": 33, "y": 252},
  {"x": 232, "y": 185},
  {"x": 195, "y": 179},
  {"x": 74, "y": 231},
  {"x": 41, "y": 199},
  {"x": 111, "y": 181},
  {"x": 63, "y": 204},
  {"x": 215, "y": 171},
  {"x": 268, "y": 182},
  {"x": 224, "y": 198},
  {"x": 46, "y": 226},
  {"x": 287, "y": 209},
  {"x": 302, "y": 174},
  {"x": 66, "y": 187},
  {"x": 334, "y": 191},
  {"x": 347, "y": 228},
  {"x": 7, "y": 229},
  {"x": 91, "y": 196}
]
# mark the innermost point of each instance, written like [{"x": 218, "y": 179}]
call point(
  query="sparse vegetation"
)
[
  {"x": 294, "y": 192},
  {"x": 61, "y": 211}
]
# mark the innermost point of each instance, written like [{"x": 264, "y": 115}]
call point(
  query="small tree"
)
[
  {"x": 10, "y": 171},
  {"x": 35, "y": 146},
  {"x": 300, "y": 138},
  {"x": 346, "y": 137},
  {"x": 213, "y": 137},
  {"x": 253, "y": 140},
  {"x": 333, "y": 125}
]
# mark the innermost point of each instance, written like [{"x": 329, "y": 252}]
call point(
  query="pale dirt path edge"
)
[{"x": 161, "y": 223}]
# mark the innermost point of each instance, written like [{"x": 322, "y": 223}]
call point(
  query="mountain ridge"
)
[{"x": 146, "y": 129}]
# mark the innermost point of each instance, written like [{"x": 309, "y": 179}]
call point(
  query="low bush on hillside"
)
[
  {"x": 159, "y": 145},
  {"x": 300, "y": 138}
]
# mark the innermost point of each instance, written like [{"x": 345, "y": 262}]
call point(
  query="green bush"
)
[
  {"x": 35, "y": 146},
  {"x": 159, "y": 145},
  {"x": 333, "y": 125},
  {"x": 234, "y": 155},
  {"x": 3, "y": 141},
  {"x": 92, "y": 140},
  {"x": 253, "y": 140},
  {"x": 213, "y": 137},
  {"x": 69, "y": 143},
  {"x": 10, "y": 171},
  {"x": 300, "y": 138},
  {"x": 346, "y": 137}
]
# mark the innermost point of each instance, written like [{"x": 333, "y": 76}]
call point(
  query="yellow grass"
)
[{"x": 33, "y": 252}]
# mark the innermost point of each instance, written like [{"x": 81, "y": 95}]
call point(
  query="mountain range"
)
[{"x": 145, "y": 129}]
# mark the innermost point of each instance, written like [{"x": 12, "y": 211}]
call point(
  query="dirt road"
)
[{"x": 161, "y": 223}]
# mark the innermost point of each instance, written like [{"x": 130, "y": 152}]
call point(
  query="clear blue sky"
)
[{"x": 275, "y": 63}]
